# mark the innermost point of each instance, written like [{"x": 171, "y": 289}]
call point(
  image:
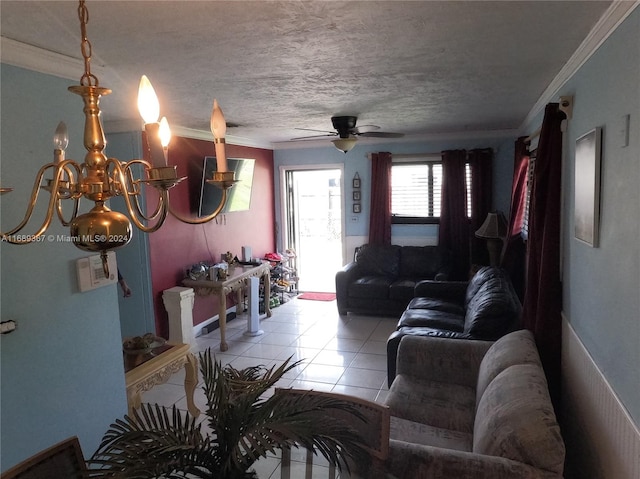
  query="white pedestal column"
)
[{"x": 178, "y": 302}]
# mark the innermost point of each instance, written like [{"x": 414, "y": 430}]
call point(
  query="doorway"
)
[{"x": 314, "y": 224}]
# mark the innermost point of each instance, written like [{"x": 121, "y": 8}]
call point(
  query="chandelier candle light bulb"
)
[
  {"x": 149, "y": 108},
  {"x": 219, "y": 130},
  {"x": 148, "y": 104},
  {"x": 165, "y": 138},
  {"x": 60, "y": 142}
]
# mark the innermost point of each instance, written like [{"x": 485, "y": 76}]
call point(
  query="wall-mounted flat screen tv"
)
[{"x": 238, "y": 197}]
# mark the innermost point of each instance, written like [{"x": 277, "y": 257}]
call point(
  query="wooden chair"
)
[
  {"x": 63, "y": 460},
  {"x": 374, "y": 430}
]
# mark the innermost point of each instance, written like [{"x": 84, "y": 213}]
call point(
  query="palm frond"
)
[
  {"x": 325, "y": 424},
  {"x": 246, "y": 425},
  {"x": 154, "y": 441}
]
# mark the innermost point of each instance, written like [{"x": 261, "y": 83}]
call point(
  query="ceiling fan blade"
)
[
  {"x": 319, "y": 131},
  {"x": 381, "y": 134},
  {"x": 313, "y": 136},
  {"x": 366, "y": 128}
]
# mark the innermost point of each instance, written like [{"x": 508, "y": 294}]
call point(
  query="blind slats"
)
[{"x": 416, "y": 189}]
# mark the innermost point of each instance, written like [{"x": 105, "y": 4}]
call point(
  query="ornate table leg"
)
[
  {"x": 134, "y": 400},
  {"x": 240, "y": 298},
  {"x": 190, "y": 383},
  {"x": 222, "y": 320}
]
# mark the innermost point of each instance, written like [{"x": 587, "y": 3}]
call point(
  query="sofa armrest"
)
[
  {"x": 445, "y": 271},
  {"x": 393, "y": 343},
  {"x": 446, "y": 360},
  {"x": 417, "y": 460},
  {"x": 449, "y": 290},
  {"x": 344, "y": 278}
]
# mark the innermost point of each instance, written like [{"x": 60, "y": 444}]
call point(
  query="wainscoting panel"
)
[{"x": 602, "y": 440}]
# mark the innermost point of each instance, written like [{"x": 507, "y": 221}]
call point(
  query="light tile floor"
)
[{"x": 341, "y": 354}]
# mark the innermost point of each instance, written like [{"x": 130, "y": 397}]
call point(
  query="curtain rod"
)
[
  {"x": 565, "y": 105},
  {"x": 533, "y": 135}
]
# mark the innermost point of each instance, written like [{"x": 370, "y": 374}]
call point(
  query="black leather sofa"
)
[
  {"x": 381, "y": 280},
  {"x": 485, "y": 308}
]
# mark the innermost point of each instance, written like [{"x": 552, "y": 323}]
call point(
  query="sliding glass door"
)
[{"x": 313, "y": 219}]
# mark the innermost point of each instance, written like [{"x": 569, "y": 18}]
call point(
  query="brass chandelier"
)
[{"x": 100, "y": 178}]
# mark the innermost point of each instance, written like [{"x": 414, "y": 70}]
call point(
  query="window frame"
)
[
  {"x": 415, "y": 220},
  {"x": 429, "y": 220}
]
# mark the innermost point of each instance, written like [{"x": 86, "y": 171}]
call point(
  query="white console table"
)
[{"x": 235, "y": 282}]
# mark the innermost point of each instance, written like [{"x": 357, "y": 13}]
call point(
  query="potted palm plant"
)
[{"x": 160, "y": 442}]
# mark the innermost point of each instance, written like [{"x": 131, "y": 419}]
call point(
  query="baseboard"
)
[
  {"x": 601, "y": 438},
  {"x": 213, "y": 323}
]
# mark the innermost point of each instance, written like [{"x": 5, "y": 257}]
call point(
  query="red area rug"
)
[{"x": 318, "y": 296}]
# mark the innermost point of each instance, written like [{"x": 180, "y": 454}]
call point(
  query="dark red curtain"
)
[
  {"x": 543, "y": 294},
  {"x": 380, "y": 214},
  {"x": 453, "y": 232},
  {"x": 513, "y": 256},
  {"x": 480, "y": 161}
]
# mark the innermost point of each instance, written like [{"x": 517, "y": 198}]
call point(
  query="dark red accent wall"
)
[{"x": 177, "y": 245}]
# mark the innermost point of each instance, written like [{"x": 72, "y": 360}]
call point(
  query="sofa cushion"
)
[
  {"x": 491, "y": 312},
  {"x": 417, "y": 433},
  {"x": 518, "y": 347},
  {"x": 402, "y": 290},
  {"x": 432, "y": 319},
  {"x": 451, "y": 291},
  {"x": 483, "y": 275},
  {"x": 378, "y": 260},
  {"x": 422, "y": 262},
  {"x": 438, "y": 404},
  {"x": 435, "y": 304},
  {"x": 515, "y": 420},
  {"x": 370, "y": 287}
]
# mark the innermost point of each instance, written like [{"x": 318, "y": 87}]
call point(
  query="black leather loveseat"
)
[
  {"x": 382, "y": 279},
  {"x": 484, "y": 308}
]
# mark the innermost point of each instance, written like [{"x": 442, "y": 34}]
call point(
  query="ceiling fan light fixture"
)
[{"x": 344, "y": 144}]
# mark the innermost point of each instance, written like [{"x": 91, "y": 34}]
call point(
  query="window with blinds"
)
[{"x": 416, "y": 191}]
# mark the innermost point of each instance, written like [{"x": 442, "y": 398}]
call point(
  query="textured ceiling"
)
[{"x": 418, "y": 67}]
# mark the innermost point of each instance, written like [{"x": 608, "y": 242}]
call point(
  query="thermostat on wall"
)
[{"x": 91, "y": 273}]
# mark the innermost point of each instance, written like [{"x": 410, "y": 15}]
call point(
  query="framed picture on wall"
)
[
  {"x": 356, "y": 196},
  {"x": 587, "y": 187},
  {"x": 356, "y": 208},
  {"x": 356, "y": 182}
]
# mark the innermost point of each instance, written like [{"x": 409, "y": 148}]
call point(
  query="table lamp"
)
[{"x": 493, "y": 230}]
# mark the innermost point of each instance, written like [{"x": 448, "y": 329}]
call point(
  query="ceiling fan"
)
[{"x": 347, "y": 131}]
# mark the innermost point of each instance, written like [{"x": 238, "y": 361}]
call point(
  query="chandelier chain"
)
[{"x": 87, "y": 79}]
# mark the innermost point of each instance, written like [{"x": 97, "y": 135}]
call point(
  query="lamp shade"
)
[
  {"x": 344, "y": 144},
  {"x": 494, "y": 226}
]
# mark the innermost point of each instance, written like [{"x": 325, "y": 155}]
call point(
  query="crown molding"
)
[
  {"x": 420, "y": 138},
  {"x": 40, "y": 60},
  {"x": 608, "y": 23},
  {"x": 126, "y": 126},
  {"x": 229, "y": 139}
]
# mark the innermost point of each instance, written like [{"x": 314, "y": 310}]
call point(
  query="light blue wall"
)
[
  {"x": 61, "y": 370},
  {"x": 602, "y": 285},
  {"x": 357, "y": 161}
]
